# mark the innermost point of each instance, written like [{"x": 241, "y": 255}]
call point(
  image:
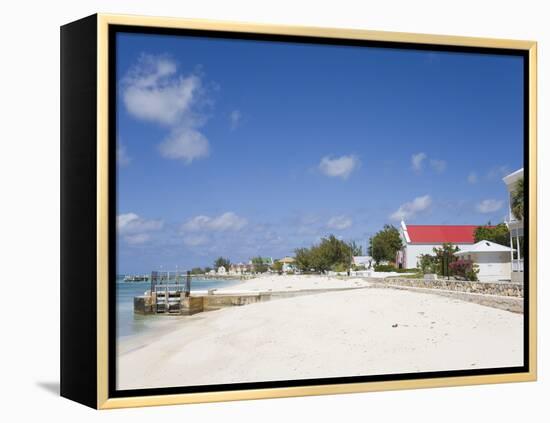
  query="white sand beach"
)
[
  {"x": 295, "y": 282},
  {"x": 346, "y": 333}
]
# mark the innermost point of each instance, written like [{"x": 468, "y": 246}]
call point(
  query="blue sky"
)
[{"x": 244, "y": 148}]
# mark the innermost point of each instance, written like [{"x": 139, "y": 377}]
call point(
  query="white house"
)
[
  {"x": 221, "y": 270},
  {"x": 492, "y": 259},
  {"x": 515, "y": 227},
  {"x": 363, "y": 261},
  {"x": 422, "y": 239}
]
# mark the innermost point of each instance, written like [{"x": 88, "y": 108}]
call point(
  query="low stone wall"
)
[
  {"x": 504, "y": 296},
  {"x": 507, "y": 289}
]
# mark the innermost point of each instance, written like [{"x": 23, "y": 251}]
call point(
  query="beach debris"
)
[{"x": 394, "y": 325}]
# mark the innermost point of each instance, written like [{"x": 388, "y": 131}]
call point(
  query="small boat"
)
[{"x": 136, "y": 278}]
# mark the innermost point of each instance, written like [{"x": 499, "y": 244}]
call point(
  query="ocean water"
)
[{"x": 129, "y": 323}]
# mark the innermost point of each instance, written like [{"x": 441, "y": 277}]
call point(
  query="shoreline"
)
[
  {"x": 331, "y": 334},
  {"x": 268, "y": 283}
]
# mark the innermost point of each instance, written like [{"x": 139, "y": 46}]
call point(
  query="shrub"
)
[
  {"x": 465, "y": 269},
  {"x": 428, "y": 263},
  {"x": 384, "y": 268},
  {"x": 340, "y": 267}
]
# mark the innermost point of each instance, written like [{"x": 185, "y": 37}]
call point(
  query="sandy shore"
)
[
  {"x": 343, "y": 333},
  {"x": 295, "y": 282}
]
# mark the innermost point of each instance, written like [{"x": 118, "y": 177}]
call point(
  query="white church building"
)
[{"x": 422, "y": 239}]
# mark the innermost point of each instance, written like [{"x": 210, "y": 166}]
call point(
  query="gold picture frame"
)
[{"x": 102, "y": 22}]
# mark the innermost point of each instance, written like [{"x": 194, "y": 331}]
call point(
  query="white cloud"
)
[
  {"x": 410, "y": 209},
  {"x": 417, "y": 161},
  {"x": 438, "y": 165},
  {"x": 135, "y": 229},
  {"x": 137, "y": 239},
  {"x": 228, "y": 221},
  {"x": 186, "y": 144},
  {"x": 339, "y": 222},
  {"x": 472, "y": 178},
  {"x": 489, "y": 206},
  {"x": 122, "y": 157},
  {"x": 195, "y": 240},
  {"x": 235, "y": 118},
  {"x": 132, "y": 223},
  {"x": 154, "y": 91},
  {"x": 340, "y": 167}
]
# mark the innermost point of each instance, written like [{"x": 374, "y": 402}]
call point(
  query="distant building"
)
[
  {"x": 515, "y": 226},
  {"x": 221, "y": 270},
  {"x": 422, "y": 239},
  {"x": 492, "y": 259},
  {"x": 240, "y": 268},
  {"x": 288, "y": 264}
]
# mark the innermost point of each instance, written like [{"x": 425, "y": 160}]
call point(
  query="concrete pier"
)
[{"x": 200, "y": 301}]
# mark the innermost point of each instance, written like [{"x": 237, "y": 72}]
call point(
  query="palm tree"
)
[{"x": 517, "y": 200}]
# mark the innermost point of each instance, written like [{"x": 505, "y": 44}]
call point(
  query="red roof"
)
[{"x": 436, "y": 234}]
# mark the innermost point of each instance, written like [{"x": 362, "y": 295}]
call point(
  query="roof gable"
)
[
  {"x": 485, "y": 246},
  {"x": 438, "y": 234}
]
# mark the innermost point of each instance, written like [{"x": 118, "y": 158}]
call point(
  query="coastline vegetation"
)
[
  {"x": 222, "y": 262},
  {"x": 330, "y": 254}
]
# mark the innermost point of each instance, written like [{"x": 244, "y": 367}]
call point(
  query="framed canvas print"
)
[{"x": 255, "y": 211}]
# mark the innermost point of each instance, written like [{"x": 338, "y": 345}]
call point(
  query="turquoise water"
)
[{"x": 129, "y": 323}]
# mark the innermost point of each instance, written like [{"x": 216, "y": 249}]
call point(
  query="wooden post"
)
[{"x": 188, "y": 284}]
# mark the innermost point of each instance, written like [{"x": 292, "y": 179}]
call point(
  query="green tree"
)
[
  {"x": 277, "y": 266},
  {"x": 444, "y": 257},
  {"x": 446, "y": 249},
  {"x": 518, "y": 200},
  {"x": 260, "y": 265},
  {"x": 196, "y": 271},
  {"x": 303, "y": 259},
  {"x": 499, "y": 234},
  {"x": 385, "y": 244},
  {"x": 221, "y": 261},
  {"x": 331, "y": 253}
]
